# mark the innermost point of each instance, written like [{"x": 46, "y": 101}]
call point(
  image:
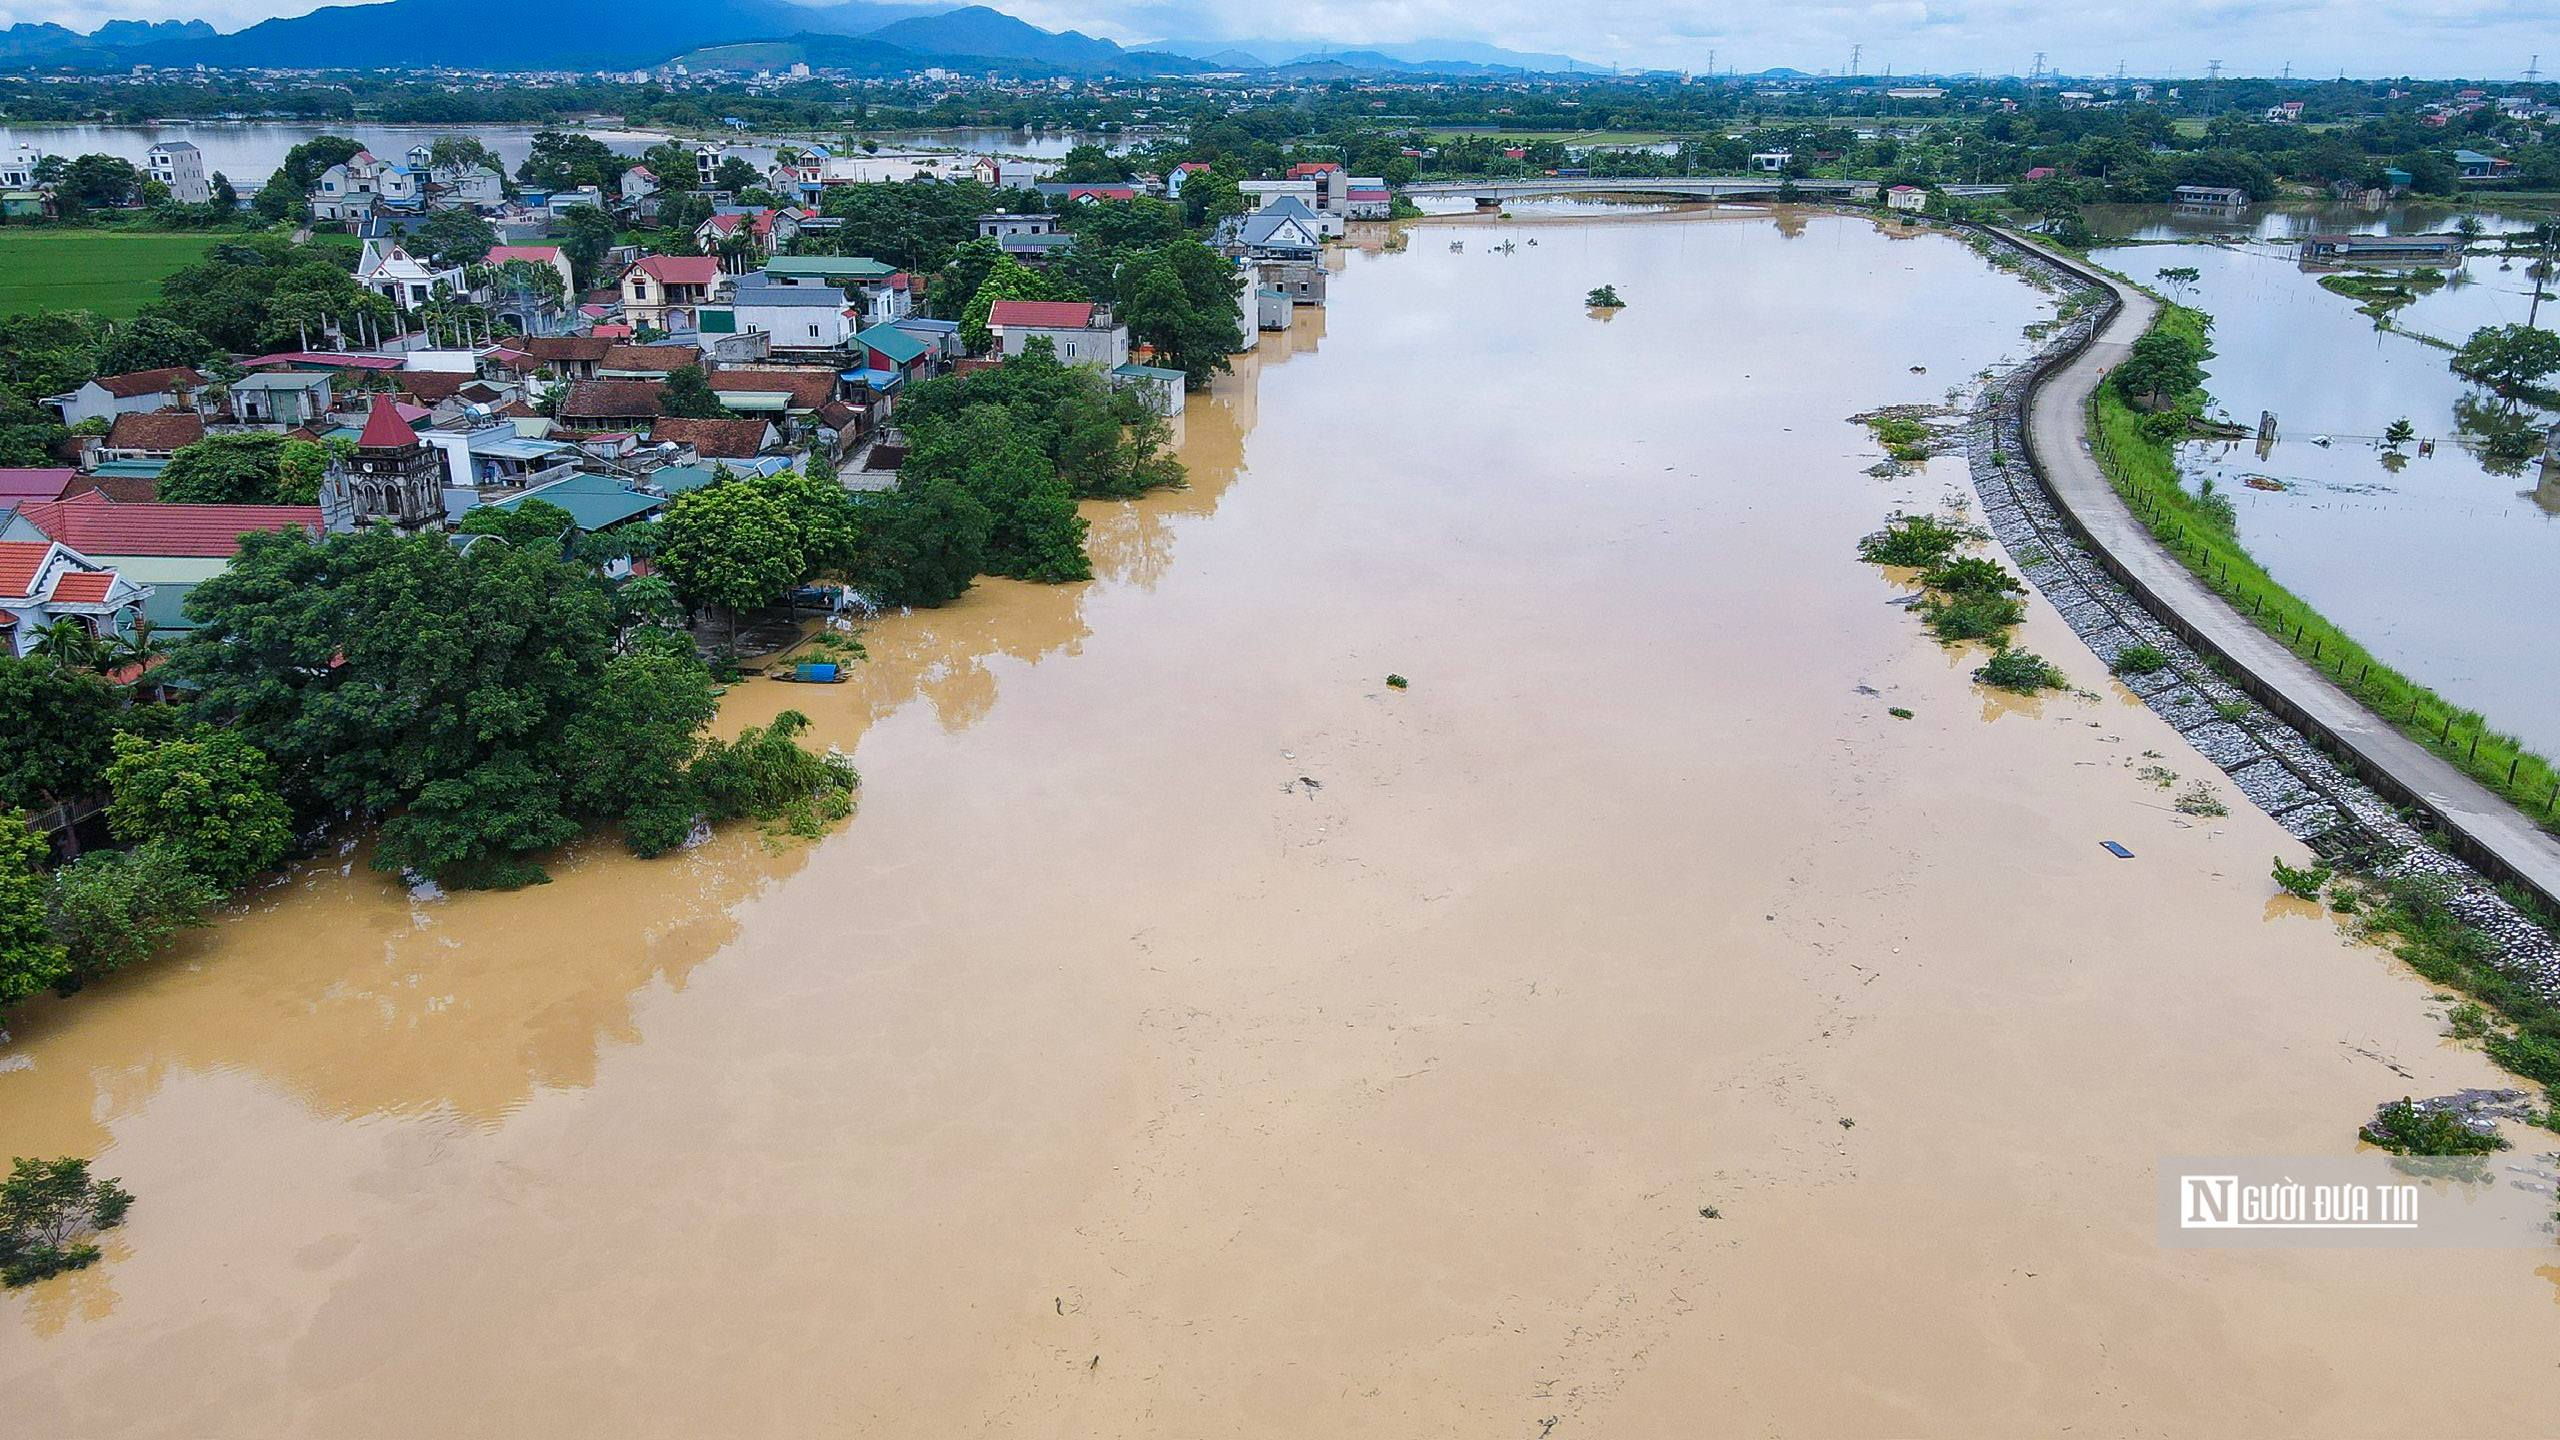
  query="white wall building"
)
[{"x": 180, "y": 166}]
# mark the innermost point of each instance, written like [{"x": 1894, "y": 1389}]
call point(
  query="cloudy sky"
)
[{"x": 2492, "y": 39}]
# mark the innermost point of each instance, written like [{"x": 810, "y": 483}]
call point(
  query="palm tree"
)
[
  {"x": 70, "y": 644},
  {"x": 135, "y": 648}
]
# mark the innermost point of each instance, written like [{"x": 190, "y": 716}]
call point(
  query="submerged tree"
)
[{"x": 49, "y": 1209}]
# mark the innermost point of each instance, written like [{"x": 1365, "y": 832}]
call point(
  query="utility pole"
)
[
  {"x": 2213, "y": 85},
  {"x": 2035, "y": 71},
  {"x": 2288, "y": 70},
  {"x": 2533, "y": 70},
  {"x": 1854, "y": 52}
]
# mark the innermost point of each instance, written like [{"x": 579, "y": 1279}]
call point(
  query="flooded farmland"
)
[
  {"x": 2442, "y": 563},
  {"x": 1191, "y": 1035}
]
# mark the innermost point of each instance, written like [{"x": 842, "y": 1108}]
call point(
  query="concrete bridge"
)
[{"x": 1686, "y": 187}]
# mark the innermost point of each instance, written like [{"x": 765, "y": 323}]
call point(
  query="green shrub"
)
[
  {"x": 1973, "y": 617},
  {"x": 2022, "y": 671},
  {"x": 1971, "y": 575},
  {"x": 2404, "y": 1129},
  {"x": 1918, "y": 541},
  {"x": 2140, "y": 660},
  {"x": 48, "y": 1211},
  {"x": 2303, "y": 884}
]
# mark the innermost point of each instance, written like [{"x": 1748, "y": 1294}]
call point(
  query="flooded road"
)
[
  {"x": 2442, "y": 564},
  {"x": 1192, "y": 1036}
]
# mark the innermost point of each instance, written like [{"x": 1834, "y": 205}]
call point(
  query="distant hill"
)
[
  {"x": 37, "y": 44},
  {"x": 859, "y": 54},
  {"x": 994, "y": 35},
  {"x": 1436, "y": 56}
]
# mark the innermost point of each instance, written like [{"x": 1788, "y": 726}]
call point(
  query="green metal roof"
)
[
  {"x": 594, "y": 502},
  {"x": 829, "y": 267},
  {"x": 1149, "y": 372},
  {"x": 891, "y": 341}
]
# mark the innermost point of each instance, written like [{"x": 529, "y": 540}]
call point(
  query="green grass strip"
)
[{"x": 2145, "y": 472}]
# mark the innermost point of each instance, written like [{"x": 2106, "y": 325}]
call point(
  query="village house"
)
[
  {"x": 346, "y": 191},
  {"x": 180, "y": 166},
  {"x": 2472, "y": 165},
  {"x": 551, "y": 257},
  {"x": 1162, "y": 387},
  {"x": 639, "y": 187},
  {"x": 482, "y": 453},
  {"x": 569, "y": 357},
  {"x": 2209, "y": 199},
  {"x": 767, "y": 229},
  {"x": 645, "y": 362},
  {"x": 1366, "y": 197},
  {"x": 281, "y": 398},
  {"x": 718, "y": 439},
  {"x": 664, "y": 291},
  {"x": 108, "y": 396},
  {"x": 1078, "y": 334},
  {"x": 170, "y": 549},
  {"x": 612, "y": 404},
  {"x": 401, "y": 278},
  {"x": 20, "y": 485},
  {"x": 791, "y": 393},
  {"x": 890, "y": 355},
  {"x": 155, "y": 435},
  {"x": 789, "y": 314},
  {"x": 43, "y": 580},
  {"x": 1909, "y": 198}
]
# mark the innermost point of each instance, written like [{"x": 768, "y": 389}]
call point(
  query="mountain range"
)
[{"x": 862, "y": 36}]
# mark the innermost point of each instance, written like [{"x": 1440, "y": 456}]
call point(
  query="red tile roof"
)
[
  {"x": 714, "y": 439},
  {"x": 808, "y": 389},
  {"x": 681, "y": 269},
  {"x": 123, "y": 489},
  {"x": 1312, "y": 168},
  {"x": 558, "y": 348},
  {"x": 93, "y": 524},
  {"x": 39, "y": 484},
  {"x": 322, "y": 360},
  {"x": 82, "y": 587},
  {"x": 1041, "y": 314},
  {"x": 429, "y": 387},
  {"x": 612, "y": 400},
  {"x": 656, "y": 359},
  {"x": 384, "y": 429},
  {"x": 170, "y": 430},
  {"x": 530, "y": 254},
  {"x": 19, "y": 562},
  {"x": 152, "y": 382}
]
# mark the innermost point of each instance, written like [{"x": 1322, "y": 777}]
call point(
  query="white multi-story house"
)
[
  {"x": 403, "y": 279},
  {"x": 794, "y": 316},
  {"x": 348, "y": 190},
  {"x": 1078, "y": 334},
  {"x": 180, "y": 166},
  {"x": 18, "y": 167}
]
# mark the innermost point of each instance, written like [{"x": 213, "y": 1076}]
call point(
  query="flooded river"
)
[
  {"x": 1192, "y": 1036},
  {"x": 2442, "y": 564}
]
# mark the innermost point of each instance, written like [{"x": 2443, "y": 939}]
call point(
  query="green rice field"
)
[{"x": 110, "y": 271}]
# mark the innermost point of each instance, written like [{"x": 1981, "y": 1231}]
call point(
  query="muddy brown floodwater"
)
[{"x": 1192, "y": 1036}]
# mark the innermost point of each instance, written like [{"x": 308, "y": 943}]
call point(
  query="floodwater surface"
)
[
  {"x": 1192, "y": 1035},
  {"x": 2446, "y": 566}
]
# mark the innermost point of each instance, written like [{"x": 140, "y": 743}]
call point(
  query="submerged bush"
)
[
  {"x": 1918, "y": 541},
  {"x": 1975, "y": 616},
  {"x": 48, "y": 1211},
  {"x": 2302, "y": 884},
  {"x": 1971, "y": 575},
  {"x": 2023, "y": 671},
  {"x": 2403, "y": 1128}
]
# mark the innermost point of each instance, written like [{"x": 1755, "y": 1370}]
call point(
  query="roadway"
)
[{"x": 2488, "y": 832}]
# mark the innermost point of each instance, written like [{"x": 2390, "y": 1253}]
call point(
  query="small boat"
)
[
  {"x": 1457, "y": 244},
  {"x": 809, "y": 672}
]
